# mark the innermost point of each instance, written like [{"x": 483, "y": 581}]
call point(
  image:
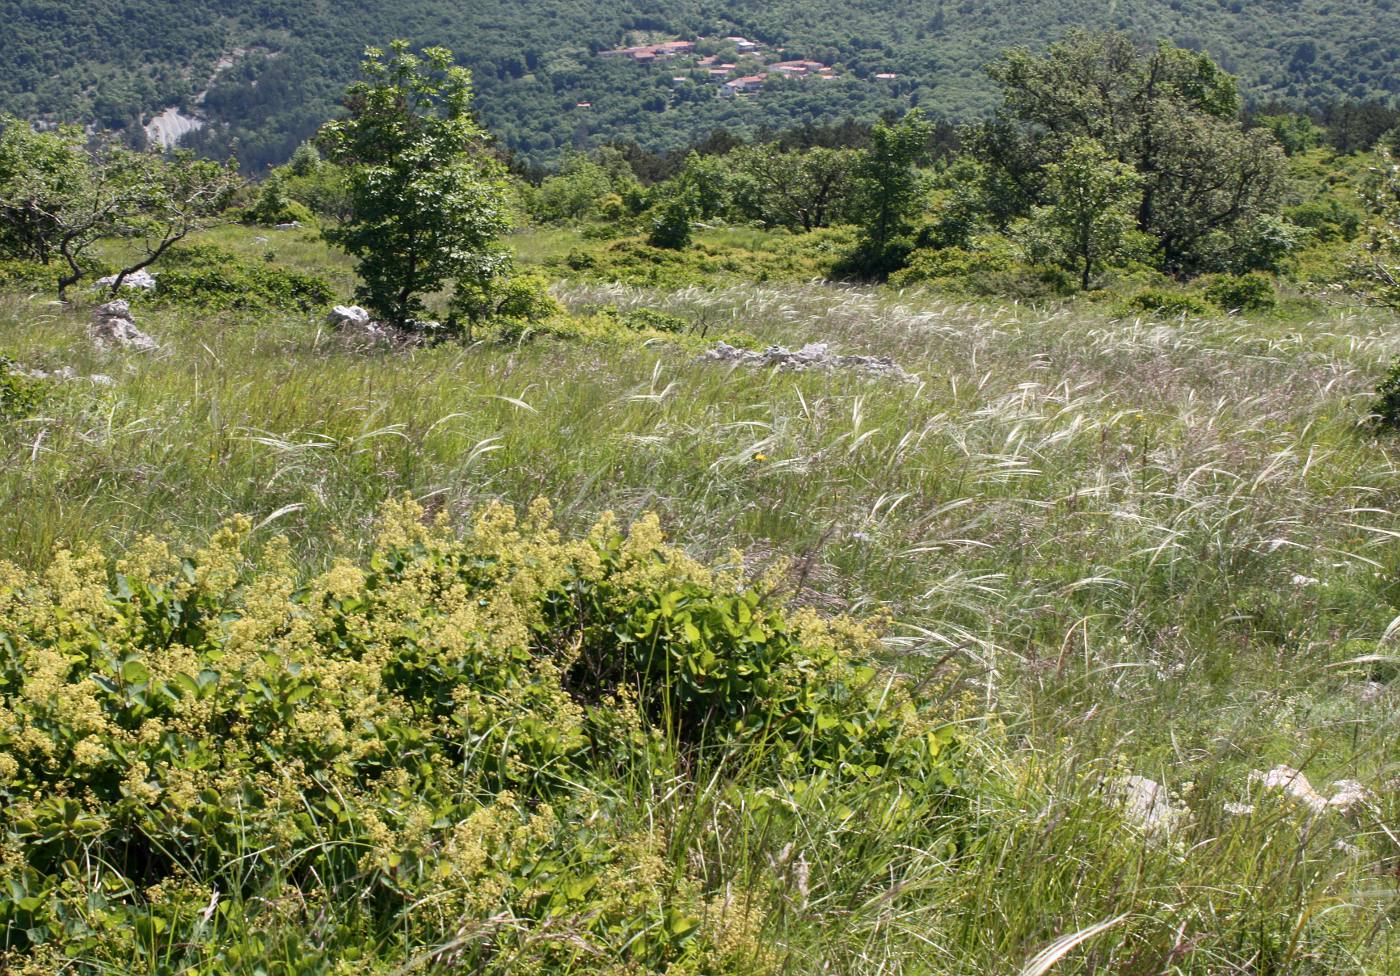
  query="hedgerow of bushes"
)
[
  {"x": 428, "y": 748},
  {"x": 206, "y": 276}
]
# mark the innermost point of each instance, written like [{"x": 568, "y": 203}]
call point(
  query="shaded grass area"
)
[{"x": 1160, "y": 547}]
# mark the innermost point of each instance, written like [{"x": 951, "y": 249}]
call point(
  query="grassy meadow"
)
[{"x": 1106, "y": 546}]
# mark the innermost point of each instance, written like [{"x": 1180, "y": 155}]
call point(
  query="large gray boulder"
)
[
  {"x": 141, "y": 280},
  {"x": 356, "y": 325},
  {"x": 114, "y": 328},
  {"x": 815, "y": 355}
]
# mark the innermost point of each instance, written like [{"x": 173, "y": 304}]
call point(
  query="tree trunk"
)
[
  {"x": 150, "y": 259},
  {"x": 67, "y": 281}
]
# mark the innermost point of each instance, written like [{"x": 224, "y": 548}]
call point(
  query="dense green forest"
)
[{"x": 266, "y": 73}]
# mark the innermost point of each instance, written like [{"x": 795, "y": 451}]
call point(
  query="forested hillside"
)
[{"x": 272, "y": 68}]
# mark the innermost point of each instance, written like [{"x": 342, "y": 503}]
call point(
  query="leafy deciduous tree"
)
[
  {"x": 65, "y": 199},
  {"x": 38, "y": 171},
  {"x": 1295, "y": 133},
  {"x": 1378, "y": 273},
  {"x": 887, "y": 190},
  {"x": 1089, "y": 219},
  {"x": 707, "y": 182},
  {"x": 577, "y": 192},
  {"x": 1170, "y": 113},
  {"x": 427, "y": 202},
  {"x": 792, "y": 189},
  {"x": 671, "y": 226}
]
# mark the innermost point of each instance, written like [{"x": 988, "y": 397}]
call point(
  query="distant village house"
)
[
  {"x": 712, "y": 68},
  {"x": 648, "y": 53},
  {"x": 744, "y": 86},
  {"x": 797, "y": 69}
]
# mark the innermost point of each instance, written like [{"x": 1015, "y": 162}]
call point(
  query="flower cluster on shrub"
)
[{"x": 420, "y": 750}]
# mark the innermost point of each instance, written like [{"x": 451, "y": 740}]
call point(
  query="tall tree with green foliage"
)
[
  {"x": 887, "y": 192},
  {"x": 1171, "y": 114},
  {"x": 798, "y": 190},
  {"x": 1088, "y": 221},
  {"x": 575, "y": 193},
  {"x": 671, "y": 227},
  {"x": 707, "y": 182},
  {"x": 428, "y": 203},
  {"x": 1295, "y": 133}
]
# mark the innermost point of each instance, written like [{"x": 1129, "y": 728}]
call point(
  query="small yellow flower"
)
[{"x": 760, "y": 456}]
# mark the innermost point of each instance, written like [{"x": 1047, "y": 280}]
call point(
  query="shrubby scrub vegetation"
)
[
  {"x": 436, "y": 737},
  {"x": 1111, "y": 167},
  {"x": 20, "y": 395},
  {"x": 208, "y": 276},
  {"x": 1025, "y": 602}
]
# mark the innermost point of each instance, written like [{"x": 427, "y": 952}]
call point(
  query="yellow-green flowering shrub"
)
[{"x": 194, "y": 746}]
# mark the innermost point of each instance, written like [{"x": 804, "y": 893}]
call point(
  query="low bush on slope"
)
[
  {"x": 204, "y": 766},
  {"x": 206, "y": 276}
]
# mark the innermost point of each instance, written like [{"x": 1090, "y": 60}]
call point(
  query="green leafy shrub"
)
[
  {"x": 210, "y": 277},
  {"x": 1247, "y": 293},
  {"x": 1172, "y": 304},
  {"x": 650, "y": 318},
  {"x": 20, "y": 395},
  {"x": 21, "y": 273},
  {"x": 992, "y": 266},
  {"x": 276, "y": 206},
  {"x": 578, "y": 260},
  {"x": 321, "y": 189},
  {"x": 670, "y": 228},
  {"x": 512, "y": 297},
  {"x": 730, "y": 254},
  {"x": 872, "y": 261},
  {"x": 1385, "y": 411},
  {"x": 1328, "y": 219},
  {"x": 646, "y": 321},
  {"x": 1269, "y": 243},
  {"x": 606, "y": 325},
  {"x": 17, "y": 272},
  {"x": 607, "y": 230},
  {"x": 427, "y": 737}
]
